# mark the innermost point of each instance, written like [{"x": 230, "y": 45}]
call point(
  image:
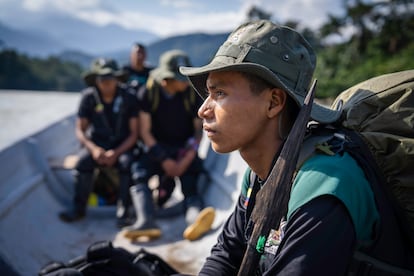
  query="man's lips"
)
[{"x": 210, "y": 131}]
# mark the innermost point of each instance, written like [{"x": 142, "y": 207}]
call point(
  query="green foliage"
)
[
  {"x": 22, "y": 72},
  {"x": 383, "y": 42},
  {"x": 342, "y": 66}
]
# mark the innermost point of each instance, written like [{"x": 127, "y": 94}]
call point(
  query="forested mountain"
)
[
  {"x": 62, "y": 72},
  {"x": 29, "y": 42},
  {"x": 19, "y": 71}
]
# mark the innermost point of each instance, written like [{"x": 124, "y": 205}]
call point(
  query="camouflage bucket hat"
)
[
  {"x": 277, "y": 54},
  {"x": 104, "y": 68},
  {"x": 169, "y": 64}
]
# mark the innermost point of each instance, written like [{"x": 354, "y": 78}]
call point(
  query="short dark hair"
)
[
  {"x": 257, "y": 85},
  {"x": 139, "y": 45}
]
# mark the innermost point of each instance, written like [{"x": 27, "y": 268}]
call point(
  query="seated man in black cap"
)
[{"x": 107, "y": 127}]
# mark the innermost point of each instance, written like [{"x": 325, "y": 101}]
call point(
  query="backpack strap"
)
[
  {"x": 391, "y": 237},
  {"x": 392, "y": 248},
  {"x": 99, "y": 108},
  {"x": 313, "y": 144},
  {"x": 119, "y": 105},
  {"x": 154, "y": 91},
  {"x": 249, "y": 203},
  {"x": 324, "y": 139}
]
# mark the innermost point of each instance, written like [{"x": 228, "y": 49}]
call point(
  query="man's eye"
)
[
  {"x": 217, "y": 94},
  {"x": 214, "y": 94}
]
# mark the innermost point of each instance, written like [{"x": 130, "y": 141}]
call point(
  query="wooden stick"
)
[{"x": 272, "y": 200}]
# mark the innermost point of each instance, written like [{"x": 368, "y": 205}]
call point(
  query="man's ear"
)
[{"x": 277, "y": 99}]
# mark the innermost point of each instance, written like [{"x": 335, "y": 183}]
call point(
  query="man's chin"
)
[{"x": 220, "y": 149}]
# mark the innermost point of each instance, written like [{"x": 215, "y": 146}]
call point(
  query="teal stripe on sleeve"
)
[
  {"x": 246, "y": 182},
  {"x": 339, "y": 176}
]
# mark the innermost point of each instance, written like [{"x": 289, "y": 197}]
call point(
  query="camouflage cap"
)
[
  {"x": 169, "y": 64},
  {"x": 103, "y": 67},
  {"x": 277, "y": 54}
]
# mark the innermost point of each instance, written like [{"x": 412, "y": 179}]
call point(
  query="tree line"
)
[
  {"x": 381, "y": 41},
  {"x": 18, "y": 71}
]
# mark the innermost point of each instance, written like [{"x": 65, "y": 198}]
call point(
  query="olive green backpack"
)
[
  {"x": 376, "y": 128},
  {"x": 381, "y": 109}
]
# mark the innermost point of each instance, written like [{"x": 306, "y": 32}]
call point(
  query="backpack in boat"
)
[
  {"x": 377, "y": 129},
  {"x": 105, "y": 260},
  {"x": 105, "y": 187}
]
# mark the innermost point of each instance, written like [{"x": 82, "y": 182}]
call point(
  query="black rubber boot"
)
[
  {"x": 83, "y": 188},
  {"x": 123, "y": 216},
  {"x": 145, "y": 225}
]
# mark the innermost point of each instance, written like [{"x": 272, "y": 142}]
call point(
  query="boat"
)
[{"x": 35, "y": 185}]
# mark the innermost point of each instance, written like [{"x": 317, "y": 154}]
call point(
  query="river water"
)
[{"x": 23, "y": 113}]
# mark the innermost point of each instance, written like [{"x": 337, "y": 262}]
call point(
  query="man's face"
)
[
  {"x": 176, "y": 86},
  {"x": 137, "y": 55},
  {"x": 233, "y": 116},
  {"x": 106, "y": 84}
]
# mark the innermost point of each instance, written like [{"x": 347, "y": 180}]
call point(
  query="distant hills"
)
[
  {"x": 81, "y": 47},
  {"x": 29, "y": 42},
  {"x": 64, "y": 33},
  {"x": 200, "y": 47}
]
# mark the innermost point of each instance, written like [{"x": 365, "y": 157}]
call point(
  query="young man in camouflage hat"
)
[
  {"x": 253, "y": 89},
  {"x": 110, "y": 113},
  {"x": 171, "y": 130}
]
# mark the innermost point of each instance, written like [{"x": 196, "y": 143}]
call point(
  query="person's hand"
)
[
  {"x": 189, "y": 155},
  {"x": 110, "y": 158},
  {"x": 177, "y": 168},
  {"x": 98, "y": 155},
  {"x": 170, "y": 167},
  {"x": 192, "y": 144}
]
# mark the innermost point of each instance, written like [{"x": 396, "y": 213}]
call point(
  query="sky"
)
[{"x": 167, "y": 17}]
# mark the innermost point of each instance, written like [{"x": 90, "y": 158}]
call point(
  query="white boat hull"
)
[{"x": 32, "y": 193}]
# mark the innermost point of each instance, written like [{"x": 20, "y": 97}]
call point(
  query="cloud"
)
[
  {"x": 179, "y": 21},
  {"x": 309, "y": 13},
  {"x": 172, "y": 17},
  {"x": 67, "y": 6},
  {"x": 178, "y": 4}
]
